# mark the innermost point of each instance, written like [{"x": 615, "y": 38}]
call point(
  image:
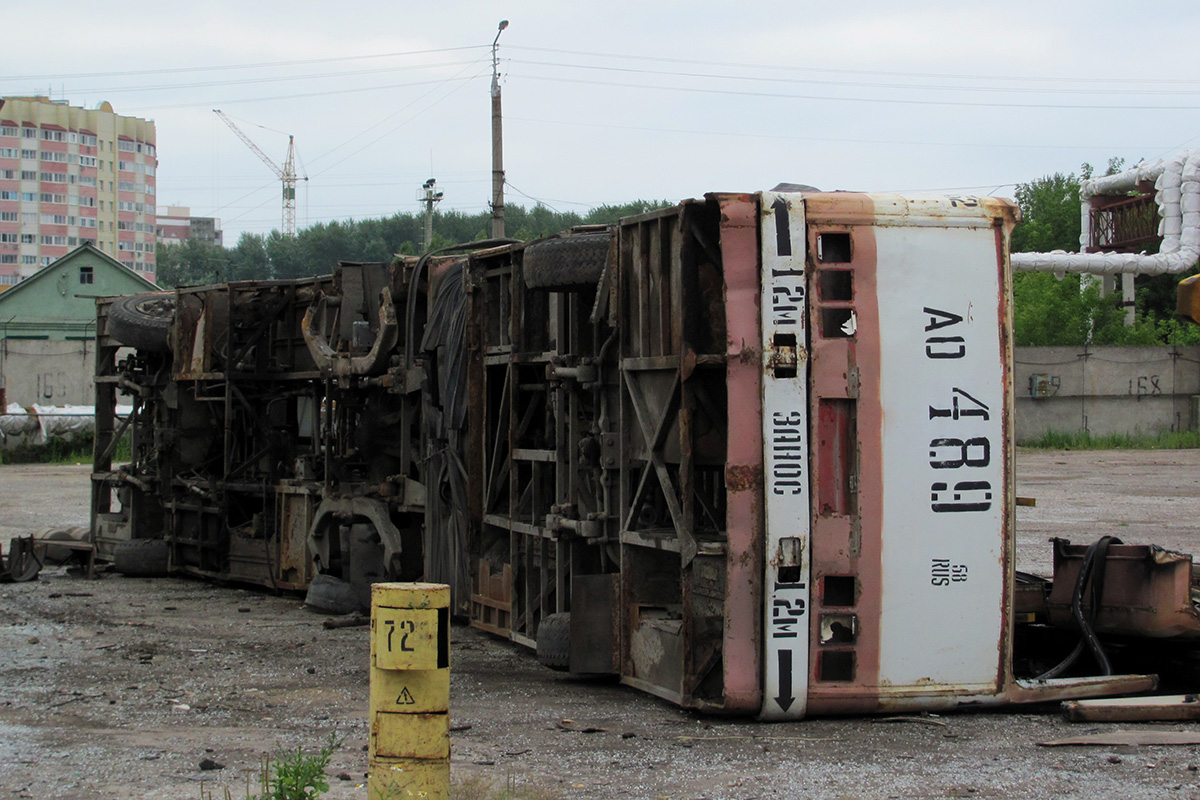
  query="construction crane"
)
[{"x": 286, "y": 173}]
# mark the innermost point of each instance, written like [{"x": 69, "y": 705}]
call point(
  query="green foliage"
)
[
  {"x": 1083, "y": 440},
  {"x": 1050, "y": 211},
  {"x": 607, "y": 215},
  {"x": 191, "y": 263},
  {"x": 1049, "y": 215},
  {"x": 1048, "y": 311},
  {"x": 1071, "y": 311},
  {"x": 76, "y": 450},
  {"x": 248, "y": 259},
  {"x": 316, "y": 250},
  {"x": 296, "y": 776}
]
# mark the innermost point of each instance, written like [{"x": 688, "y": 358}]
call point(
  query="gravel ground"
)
[{"x": 120, "y": 687}]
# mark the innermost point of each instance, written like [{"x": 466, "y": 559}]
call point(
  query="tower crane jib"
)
[{"x": 285, "y": 173}]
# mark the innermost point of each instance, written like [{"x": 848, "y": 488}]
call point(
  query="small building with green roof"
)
[{"x": 48, "y": 327}]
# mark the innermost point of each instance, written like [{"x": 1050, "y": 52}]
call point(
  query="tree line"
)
[
  {"x": 316, "y": 250},
  {"x": 1047, "y": 310}
]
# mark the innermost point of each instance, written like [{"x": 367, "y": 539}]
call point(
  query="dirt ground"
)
[{"x": 120, "y": 687}]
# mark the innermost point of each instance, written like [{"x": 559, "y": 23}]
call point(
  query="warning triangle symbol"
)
[{"x": 405, "y": 698}]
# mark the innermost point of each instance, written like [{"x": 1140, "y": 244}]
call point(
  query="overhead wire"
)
[
  {"x": 890, "y": 100},
  {"x": 855, "y": 84},
  {"x": 765, "y": 135},
  {"x": 446, "y": 82},
  {"x": 272, "y": 79},
  {"x": 243, "y": 197},
  {"x": 531, "y": 197},
  {"x": 257, "y": 65},
  {"x": 787, "y": 75},
  {"x": 296, "y": 96},
  {"x": 838, "y": 70}
]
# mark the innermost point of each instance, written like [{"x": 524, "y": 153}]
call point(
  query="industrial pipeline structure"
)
[{"x": 751, "y": 453}]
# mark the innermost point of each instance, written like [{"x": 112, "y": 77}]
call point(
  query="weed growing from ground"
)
[{"x": 290, "y": 775}]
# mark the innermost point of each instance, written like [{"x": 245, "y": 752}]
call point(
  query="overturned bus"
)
[{"x": 751, "y": 453}]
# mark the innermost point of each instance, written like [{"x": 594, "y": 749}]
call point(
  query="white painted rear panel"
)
[{"x": 945, "y": 466}]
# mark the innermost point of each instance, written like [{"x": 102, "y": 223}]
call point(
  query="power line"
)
[
  {"x": 835, "y": 139},
  {"x": 243, "y": 197},
  {"x": 390, "y": 116},
  {"x": 176, "y": 185},
  {"x": 597, "y": 54},
  {"x": 534, "y": 199},
  {"x": 343, "y": 91},
  {"x": 215, "y": 68},
  {"x": 271, "y": 79},
  {"x": 890, "y": 100},
  {"x": 856, "y": 84},
  {"x": 835, "y": 70}
]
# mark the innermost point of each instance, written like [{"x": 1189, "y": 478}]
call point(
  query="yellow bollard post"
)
[{"x": 409, "y": 751}]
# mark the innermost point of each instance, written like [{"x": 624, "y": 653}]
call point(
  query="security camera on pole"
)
[{"x": 431, "y": 197}]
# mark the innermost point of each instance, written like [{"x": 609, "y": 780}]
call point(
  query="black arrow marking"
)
[
  {"x": 783, "y": 233},
  {"x": 785, "y": 698}
]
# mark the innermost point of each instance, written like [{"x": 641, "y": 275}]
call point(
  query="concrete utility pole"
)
[
  {"x": 497, "y": 143},
  {"x": 431, "y": 197}
]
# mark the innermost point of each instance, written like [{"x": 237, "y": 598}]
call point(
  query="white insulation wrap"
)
[
  {"x": 37, "y": 423},
  {"x": 16, "y": 421},
  {"x": 1177, "y": 192}
]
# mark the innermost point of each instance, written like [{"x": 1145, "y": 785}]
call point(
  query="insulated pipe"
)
[{"x": 1177, "y": 193}]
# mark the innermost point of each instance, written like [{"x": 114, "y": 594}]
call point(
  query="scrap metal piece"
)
[
  {"x": 342, "y": 365},
  {"x": 347, "y": 508},
  {"x": 23, "y": 562},
  {"x": 1167, "y": 708},
  {"x": 1055, "y": 689},
  {"x": 1131, "y": 738},
  {"x": 1147, "y": 591}
]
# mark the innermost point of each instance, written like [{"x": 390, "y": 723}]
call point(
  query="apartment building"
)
[
  {"x": 70, "y": 176},
  {"x": 176, "y": 224}
]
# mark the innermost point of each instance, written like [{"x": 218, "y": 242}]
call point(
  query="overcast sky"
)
[{"x": 615, "y": 101}]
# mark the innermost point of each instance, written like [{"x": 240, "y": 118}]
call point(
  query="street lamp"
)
[
  {"x": 495, "y": 58},
  {"x": 497, "y": 142}
]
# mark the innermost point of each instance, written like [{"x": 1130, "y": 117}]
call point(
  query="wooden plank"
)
[{"x": 1167, "y": 708}]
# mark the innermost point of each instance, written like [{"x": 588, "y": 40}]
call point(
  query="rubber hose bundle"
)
[{"x": 1090, "y": 572}]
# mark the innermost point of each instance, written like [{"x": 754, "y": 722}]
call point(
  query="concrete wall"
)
[
  {"x": 48, "y": 372},
  {"x": 1104, "y": 390},
  {"x": 1099, "y": 389}
]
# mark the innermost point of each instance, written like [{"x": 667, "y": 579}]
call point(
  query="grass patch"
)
[
  {"x": 77, "y": 450},
  {"x": 1083, "y": 440}
]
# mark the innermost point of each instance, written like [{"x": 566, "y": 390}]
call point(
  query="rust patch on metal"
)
[
  {"x": 750, "y": 355},
  {"x": 1146, "y": 591},
  {"x": 742, "y": 477}
]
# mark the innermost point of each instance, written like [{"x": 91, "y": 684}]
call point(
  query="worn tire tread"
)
[
  {"x": 564, "y": 263},
  {"x": 328, "y": 594},
  {"x": 131, "y": 323},
  {"x": 554, "y": 641},
  {"x": 142, "y": 558}
]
